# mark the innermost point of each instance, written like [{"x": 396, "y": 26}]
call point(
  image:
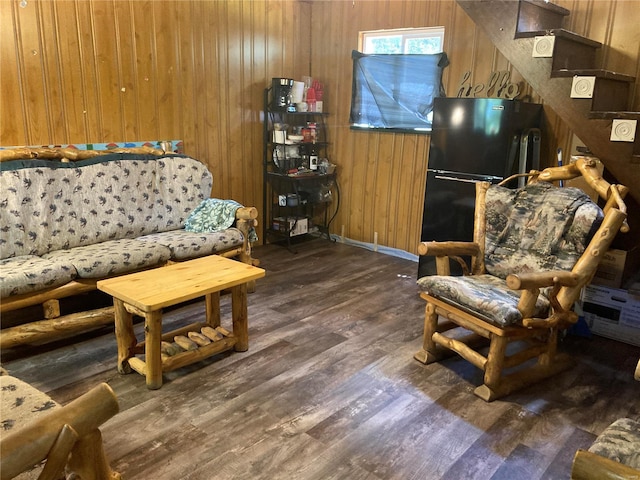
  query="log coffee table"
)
[{"x": 146, "y": 293}]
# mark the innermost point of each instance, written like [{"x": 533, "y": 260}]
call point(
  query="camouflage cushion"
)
[
  {"x": 620, "y": 441},
  {"x": 536, "y": 228},
  {"x": 484, "y": 296}
]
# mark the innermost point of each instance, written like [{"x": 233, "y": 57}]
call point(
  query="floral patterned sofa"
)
[{"x": 67, "y": 224}]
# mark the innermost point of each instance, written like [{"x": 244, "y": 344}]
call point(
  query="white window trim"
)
[{"x": 405, "y": 33}]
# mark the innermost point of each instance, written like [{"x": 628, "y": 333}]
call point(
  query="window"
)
[
  {"x": 396, "y": 76},
  {"x": 402, "y": 40}
]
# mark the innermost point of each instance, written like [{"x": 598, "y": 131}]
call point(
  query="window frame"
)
[{"x": 404, "y": 33}]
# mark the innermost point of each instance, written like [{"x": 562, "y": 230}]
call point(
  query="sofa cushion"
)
[
  {"x": 620, "y": 442},
  {"x": 482, "y": 295},
  {"x": 186, "y": 245},
  {"x": 48, "y": 205},
  {"x": 20, "y": 403},
  {"x": 28, "y": 273},
  {"x": 537, "y": 228},
  {"x": 112, "y": 258}
]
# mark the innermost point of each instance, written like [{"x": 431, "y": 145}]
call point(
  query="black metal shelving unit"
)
[{"x": 297, "y": 201}]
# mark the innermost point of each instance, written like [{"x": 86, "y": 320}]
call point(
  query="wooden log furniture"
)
[
  {"x": 71, "y": 217},
  {"x": 67, "y": 437},
  {"x": 614, "y": 455},
  {"x": 534, "y": 249},
  {"x": 147, "y": 293}
]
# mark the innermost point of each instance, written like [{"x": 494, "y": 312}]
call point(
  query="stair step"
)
[
  {"x": 538, "y": 15},
  {"x": 570, "y": 51},
  {"x": 592, "y": 72},
  {"x": 608, "y": 94},
  {"x": 612, "y": 115},
  {"x": 569, "y": 35}
]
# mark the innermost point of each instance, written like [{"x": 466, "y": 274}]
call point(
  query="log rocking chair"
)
[{"x": 534, "y": 249}]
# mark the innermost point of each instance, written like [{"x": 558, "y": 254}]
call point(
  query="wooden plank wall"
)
[
  {"x": 124, "y": 70},
  {"x": 85, "y": 71},
  {"x": 381, "y": 174}
]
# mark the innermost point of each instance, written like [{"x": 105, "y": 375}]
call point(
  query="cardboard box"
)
[
  {"x": 612, "y": 313},
  {"x": 611, "y": 269},
  {"x": 296, "y": 226},
  {"x": 617, "y": 267}
]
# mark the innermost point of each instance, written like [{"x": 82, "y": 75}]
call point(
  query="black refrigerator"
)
[{"x": 473, "y": 139}]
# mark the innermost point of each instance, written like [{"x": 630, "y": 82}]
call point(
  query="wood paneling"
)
[{"x": 82, "y": 71}]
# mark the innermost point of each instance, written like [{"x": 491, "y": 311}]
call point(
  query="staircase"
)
[{"x": 561, "y": 67}]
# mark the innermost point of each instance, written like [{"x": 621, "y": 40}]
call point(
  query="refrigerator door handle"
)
[{"x": 458, "y": 179}]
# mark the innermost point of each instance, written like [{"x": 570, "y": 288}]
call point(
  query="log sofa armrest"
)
[
  {"x": 590, "y": 466},
  {"x": 246, "y": 213},
  {"x": 528, "y": 281},
  {"x": 445, "y": 249},
  {"x": 530, "y": 284},
  {"x": 246, "y": 219}
]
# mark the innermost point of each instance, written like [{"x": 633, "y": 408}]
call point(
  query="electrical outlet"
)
[
  {"x": 582, "y": 87},
  {"x": 543, "y": 46},
  {"x": 623, "y": 130}
]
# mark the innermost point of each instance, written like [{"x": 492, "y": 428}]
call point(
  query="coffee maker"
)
[{"x": 281, "y": 93}]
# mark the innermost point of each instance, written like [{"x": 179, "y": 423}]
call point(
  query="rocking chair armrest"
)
[
  {"x": 441, "y": 249},
  {"x": 528, "y": 281}
]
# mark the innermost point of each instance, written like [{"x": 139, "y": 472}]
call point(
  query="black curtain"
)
[{"x": 395, "y": 91}]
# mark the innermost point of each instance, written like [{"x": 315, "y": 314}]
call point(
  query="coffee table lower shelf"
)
[{"x": 172, "y": 362}]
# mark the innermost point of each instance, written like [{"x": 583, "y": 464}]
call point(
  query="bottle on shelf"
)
[{"x": 313, "y": 158}]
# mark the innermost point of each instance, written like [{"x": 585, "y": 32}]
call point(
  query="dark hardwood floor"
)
[{"x": 329, "y": 388}]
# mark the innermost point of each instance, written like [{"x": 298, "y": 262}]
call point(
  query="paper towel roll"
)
[{"x": 297, "y": 92}]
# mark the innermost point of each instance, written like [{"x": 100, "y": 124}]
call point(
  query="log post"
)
[
  {"x": 212, "y": 306},
  {"x": 240, "y": 317},
  {"x": 495, "y": 361},
  {"x": 480, "y": 227},
  {"x": 125, "y": 336},
  {"x": 51, "y": 309},
  {"x": 153, "y": 341}
]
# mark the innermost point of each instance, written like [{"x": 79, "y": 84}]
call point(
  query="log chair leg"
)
[
  {"x": 493, "y": 369},
  {"x": 428, "y": 353},
  {"x": 240, "y": 317},
  {"x": 153, "y": 340},
  {"x": 545, "y": 360},
  {"x": 212, "y": 304},
  {"x": 125, "y": 336},
  {"x": 88, "y": 459}
]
